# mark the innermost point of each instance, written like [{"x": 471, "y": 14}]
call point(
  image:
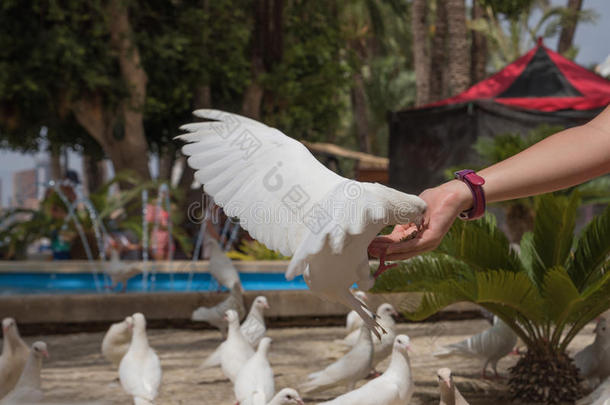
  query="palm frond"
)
[
  {"x": 596, "y": 191},
  {"x": 481, "y": 245},
  {"x": 421, "y": 273},
  {"x": 592, "y": 251},
  {"x": 553, "y": 230}
]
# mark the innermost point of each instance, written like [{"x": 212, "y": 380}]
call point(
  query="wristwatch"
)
[{"x": 475, "y": 183}]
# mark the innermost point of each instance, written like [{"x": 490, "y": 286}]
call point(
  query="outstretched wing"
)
[{"x": 258, "y": 174}]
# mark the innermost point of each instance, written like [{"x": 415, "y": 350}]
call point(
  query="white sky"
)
[{"x": 592, "y": 39}]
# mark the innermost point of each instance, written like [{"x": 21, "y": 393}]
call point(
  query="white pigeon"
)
[
  {"x": 140, "y": 369},
  {"x": 28, "y": 389},
  {"x": 601, "y": 395},
  {"x": 14, "y": 356},
  {"x": 253, "y": 329},
  {"x": 348, "y": 370},
  {"x": 255, "y": 379},
  {"x": 215, "y": 315},
  {"x": 450, "y": 395},
  {"x": 593, "y": 361},
  {"x": 286, "y": 396},
  {"x": 236, "y": 350},
  {"x": 353, "y": 322},
  {"x": 393, "y": 387},
  {"x": 116, "y": 341},
  {"x": 119, "y": 271},
  {"x": 221, "y": 267},
  {"x": 490, "y": 345},
  {"x": 292, "y": 203}
]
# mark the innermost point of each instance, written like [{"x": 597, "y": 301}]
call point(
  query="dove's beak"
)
[
  {"x": 300, "y": 401},
  {"x": 45, "y": 354},
  {"x": 266, "y": 306}
]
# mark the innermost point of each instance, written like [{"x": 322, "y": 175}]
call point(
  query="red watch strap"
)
[{"x": 475, "y": 183}]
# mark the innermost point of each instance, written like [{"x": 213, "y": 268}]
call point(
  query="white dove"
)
[
  {"x": 236, "y": 350},
  {"x": 450, "y": 395},
  {"x": 490, "y": 345},
  {"x": 221, "y": 267},
  {"x": 14, "y": 356},
  {"x": 28, "y": 389},
  {"x": 255, "y": 379},
  {"x": 601, "y": 395},
  {"x": 385, "y": 313},
  {"x": 215, "y": 315},
  {"x": 116, "y": 341},
  {"x": 289, "y": 201},
  {"x": 393, "y": 387},
  {"x": 593, "y": 361},
  {"x": 119, "y": 271},
  {"x": 353, "y": 321},
  {"x": 140, "y": 369},
  {"x": 253, "y": 329},
  {"x": 348, "y": 370},
  {"x": 286, "y": 396}
]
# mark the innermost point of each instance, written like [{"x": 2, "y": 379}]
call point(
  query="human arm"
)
[{"x": 562, "y": 160}]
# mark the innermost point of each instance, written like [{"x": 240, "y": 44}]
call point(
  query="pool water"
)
[{"x": 85, "y": 283}]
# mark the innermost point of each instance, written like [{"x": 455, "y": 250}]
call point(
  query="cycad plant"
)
[{"x": 547, "y": 293}]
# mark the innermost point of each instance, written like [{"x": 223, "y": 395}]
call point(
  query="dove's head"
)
[
  {"x": 288, "y": 396},
  {"x": 39, "y": 349},
  {"x": 444, "y": 377},
  {"x": 260, "y": 303},
  {"x": 231, "y": 316},
  {"x": 263, "y": 345},
  {"x": 361, "y": 295},
  {"x": 128, "y": 323},
  {"x": 601, "y": 329},
  {"x": 402, "y": 343},
  {"x": 8, "y": 324},
  {"x": 401, "y": 208},
  {"x": 386, "y": 311},
  {"x": 139, "y": 322}
]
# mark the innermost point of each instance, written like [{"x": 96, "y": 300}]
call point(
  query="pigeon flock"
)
[{"x": 243, "y": 359}]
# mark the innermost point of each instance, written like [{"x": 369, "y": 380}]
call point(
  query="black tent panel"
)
[
  {"x": 424, "y": 142},
  {"x": 540, "y": 78}
]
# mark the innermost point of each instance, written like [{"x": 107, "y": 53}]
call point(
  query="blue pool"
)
[{"x": 75, "y": 283}]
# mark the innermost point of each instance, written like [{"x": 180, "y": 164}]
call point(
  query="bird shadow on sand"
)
[{"x": 212, "y": 382}]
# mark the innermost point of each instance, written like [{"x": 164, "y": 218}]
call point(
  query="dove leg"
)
[
  {"x": 382, "y": 266},
  {"x": 484, "y": 372}
]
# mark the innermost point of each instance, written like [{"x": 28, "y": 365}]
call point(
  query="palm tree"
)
[{"x": 547, "y": 293}]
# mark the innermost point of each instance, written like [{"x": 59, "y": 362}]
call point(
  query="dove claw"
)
[{"x": 382, "y": 266}]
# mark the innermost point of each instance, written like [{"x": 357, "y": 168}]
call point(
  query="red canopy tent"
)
[{"x": 540, "y": 87}]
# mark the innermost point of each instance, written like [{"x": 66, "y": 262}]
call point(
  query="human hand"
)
[{"x": 445, "y": 202}]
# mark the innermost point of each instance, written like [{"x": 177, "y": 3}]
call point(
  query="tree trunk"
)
[
  {"x": 167, "y": 157},
  {"x": 359, "y": 108},
  {"x": 133, "y": 148},
  {"x": 55, "y": 160},
  {"x": 438, "y": 52},
  {"x": 459, "y": 54},
  {"x": 567, "y": 32},
  {"x": 253, "y": 97},
  {"x": 203, "y": 96},
  {"x": 94, "y": 173},
  {"x": 478, "y": 48},
  {"x": 267, "y": 50},
  {"x": 421, "y": 61}
]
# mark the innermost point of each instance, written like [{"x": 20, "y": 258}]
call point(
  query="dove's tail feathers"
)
[
  {"x": 444, "y": 352},
  {"x": 213, "y": 360},
  {"x": 142, "y": 401},
  {"x": 201, "y": 314},
  {"x": 365, "y": 314}
]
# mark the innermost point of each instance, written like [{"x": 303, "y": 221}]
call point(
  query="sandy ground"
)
[{"x": 77, "y": 373}]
